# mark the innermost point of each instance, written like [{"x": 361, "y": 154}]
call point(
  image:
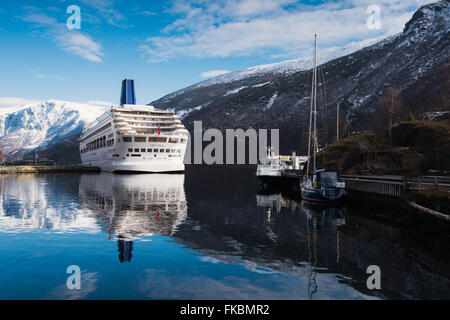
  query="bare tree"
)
[
  {"x": 2, "y": 157},
  {"x": 393, "y": 109}
]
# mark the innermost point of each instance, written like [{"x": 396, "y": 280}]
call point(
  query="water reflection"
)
[
  {"x": 220, "y": 239},
  {"x": 273, "y": 234},
  {"x": 48, "y": 202},
  {"x": 125, "y": 249},
  {"x": 328, "y": 249},
  {"x": 320, "y": 216},
  {"x": 130, "y": 206}
]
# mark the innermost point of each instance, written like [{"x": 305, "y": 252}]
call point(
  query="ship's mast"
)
[
  {"x": 311, "y": 138},
  {"x": 315, "y": 103}
]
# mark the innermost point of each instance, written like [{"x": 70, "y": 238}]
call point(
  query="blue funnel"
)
[{"x": 128, "y": 96}]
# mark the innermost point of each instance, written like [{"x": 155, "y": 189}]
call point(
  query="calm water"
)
[{"x": 207, "y": 234}]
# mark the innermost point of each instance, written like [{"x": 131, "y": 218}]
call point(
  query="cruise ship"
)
[{"x": 134, "y": 138}]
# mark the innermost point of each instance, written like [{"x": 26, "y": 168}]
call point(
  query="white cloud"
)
[
  {"x": 213, "y": 73},
  {"x": 284, "y": 28},
  {"x": 72, "y": 41}
]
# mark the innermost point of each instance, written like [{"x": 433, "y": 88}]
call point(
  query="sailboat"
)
[{"x": 321, "y": 184}]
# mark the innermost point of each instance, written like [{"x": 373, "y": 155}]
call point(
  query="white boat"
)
[
  {"x": 135, "y": 138},
  {"x": 279, "y": 169}
]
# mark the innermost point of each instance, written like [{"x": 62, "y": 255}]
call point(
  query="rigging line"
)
[
  {"x": 310, "y": 124},
  {"x": 315, "y": 103}
]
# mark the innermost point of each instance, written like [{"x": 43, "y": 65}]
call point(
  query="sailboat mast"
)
[
  {"x": 310, "y": 122},
  {"x": 315, "y": 103}
]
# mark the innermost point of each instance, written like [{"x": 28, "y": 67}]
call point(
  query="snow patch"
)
[
  {"x": 184, "y": 113},
  {"x": 261, "y": 84},
  {"x": 234, "y": 91},
  {"x": 272, "y": 100}
]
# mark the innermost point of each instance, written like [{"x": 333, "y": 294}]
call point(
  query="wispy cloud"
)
[
  {"x": 46, "y": 76},
  {"x": 106, "y": 9},
  {"x": 284, "y": 28},
  {"x": 143, "y": 12},
  {"x": 72, "y": 41},
  {"x": 213, "y": 73}
]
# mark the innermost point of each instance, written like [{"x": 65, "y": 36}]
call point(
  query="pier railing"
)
[{"x": 395, "y": 185}]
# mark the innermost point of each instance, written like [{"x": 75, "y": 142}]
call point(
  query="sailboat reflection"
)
[
  {"x": 318, "y": 215},
  {"x": 320, "y": 222},
  {"x": 134, "y": 206}
]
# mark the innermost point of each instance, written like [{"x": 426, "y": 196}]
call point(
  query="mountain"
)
[
  {"x": 284, "y": 67},
  {"x": 414, "y": 62},
  {"x": 42, "y": 125}
]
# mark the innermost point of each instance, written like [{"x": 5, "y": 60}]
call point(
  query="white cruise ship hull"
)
[
  {"x": 134, "y": 138},
  {"x": 144, "y": 166}
]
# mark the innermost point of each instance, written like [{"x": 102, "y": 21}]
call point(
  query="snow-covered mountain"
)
[
  {"x": 40, "y": 125},
  {"x": 284, "y": 67},
  {"x": 414, "y": 62}
]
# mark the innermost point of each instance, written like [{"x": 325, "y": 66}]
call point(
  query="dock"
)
[
  {"x": 400, "y": 189},
  {"x": 46, "y": 169},
  {"x": 395, "y": 186},
  {"x": 382, "y": 185}
]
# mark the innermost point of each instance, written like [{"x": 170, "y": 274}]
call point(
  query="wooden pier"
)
[
  {"x": 395, "y": 186},
  {"x": 400, "y": 190},
  {"x": 374, "y": 185}
]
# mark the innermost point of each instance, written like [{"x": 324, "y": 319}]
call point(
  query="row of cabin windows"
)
[
  {"x": 154, "y": 150},
  {"x": 146, "y": 124},
  {"x": 98, "y": 144},
  {"x": 152, "y": 139},
  {"x": 138, "y": 155},
  {"x": 154, "y": 132},
  {"x": 97, "y": 131}
]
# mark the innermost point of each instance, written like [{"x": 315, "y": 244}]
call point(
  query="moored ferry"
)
[
  {"x": 281, "y": 171},
  {"x": 134, "y": 138}
]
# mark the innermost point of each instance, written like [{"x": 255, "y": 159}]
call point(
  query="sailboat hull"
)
[{"x": 322, "y": 195}]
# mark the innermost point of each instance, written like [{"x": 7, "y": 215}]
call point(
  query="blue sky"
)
[{"x": 168, "y": 45}]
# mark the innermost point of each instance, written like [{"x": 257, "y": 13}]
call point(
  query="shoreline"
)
[{"x": 46, "y": 169}]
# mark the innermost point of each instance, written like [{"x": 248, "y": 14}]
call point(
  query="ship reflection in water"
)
[
  {"x": 208, "y": 234},
  {"x": 134, "y": 206}
]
